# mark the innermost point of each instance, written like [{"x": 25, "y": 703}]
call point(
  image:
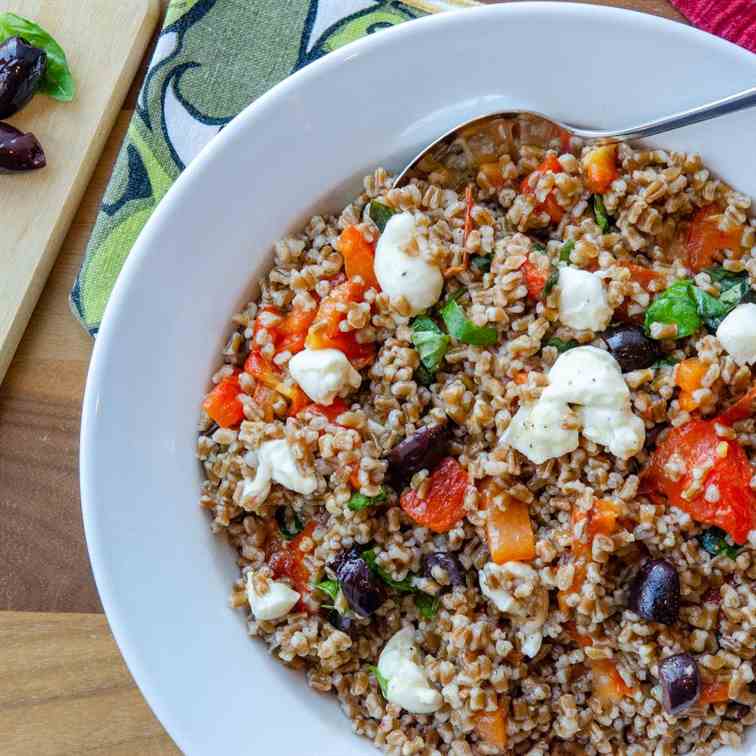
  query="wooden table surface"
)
[{"x": 63, "y": 686}]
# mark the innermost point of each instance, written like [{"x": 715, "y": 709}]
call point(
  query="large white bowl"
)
[{"x": 164, "y": 580}]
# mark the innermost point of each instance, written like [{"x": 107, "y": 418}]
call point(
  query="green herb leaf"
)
[
  {"x": 561, "y": 346},
  {"x": 566, "y": 250},
  {"x": 380, "y": 214},
  {"x": 538, "y": 247},
  {"x": 715, "y": 542},
  {"x": 665, "y": 362},
  {"x": 403, "y": 586},
  {"x": 359, "y": 502},
  {"x": 712, "y": 310},
  {"x": 599, "y": 211},
  {"x": 675, "y": 305},
  {"x": 57, "y": 81},
  {"x": 422, "y": 376},
  {"x": 330, "y": 587},
  {"x": 551, "y": 282},
  {"x": 465, "y": 330},
  {"x": 725, "y": 278},
  {"x": 427, "y": 605},
  {"x": 481, "y": 263},
  {"x": 382, "y": 681},
  {"x": 430, "y": 341},
  {"x": 288, "y": 529}
]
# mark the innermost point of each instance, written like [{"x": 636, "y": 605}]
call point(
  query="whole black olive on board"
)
[
  {"x": 680, "y": 681},
  {"x": 655, "y": 592},
  {"x": 21, "y": 69},
  {"x": 424, "y": 449},
  {"x": 448, "y": 563},
  {"x": 18, "y": 151},
  {"x": 632, "y": 349},
  {"x": 363, "y": 591}
]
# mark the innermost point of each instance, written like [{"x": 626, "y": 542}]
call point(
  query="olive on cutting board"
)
[
  {"x": 19, "y": 152},
  {"x": 22, "y": 67}
]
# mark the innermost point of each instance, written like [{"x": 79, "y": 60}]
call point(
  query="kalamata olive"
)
[
  {"x": 448, "y": 563},
  {"x": 18, "y": 151},
  {"x": 424, "y": 449},
  {"x": 21, "y": 69},
  {"x": 363, "y": 591},
  {"x": 655, "y": 592},
  {"x": 631, "y": 347},
  {"x": 680, "y": 682},
  {"x": 341, "y": 621}
]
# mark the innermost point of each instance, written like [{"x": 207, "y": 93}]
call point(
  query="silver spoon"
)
[{"x": 441, "y": 147}]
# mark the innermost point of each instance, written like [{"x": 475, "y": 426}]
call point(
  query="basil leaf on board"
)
[
  {"x": 329, "y": 587},
  {"x": 465, "y": 330},
  {"x": 381, "y": 680},
  {"x": 380, "y": 214},
  {"x": 358, "y": 502},
  {"x": 714, "y": 541},
  {"x": 599, "y": 211},
  {"x": 427, "y": 605},
  {"x": 481, "y": 263},
  {"x": 430, "y": 342},
  {"x": 561, "y": 346},
  {"x": 551, "y": 282},
  {"x": 288, "y": 530},
  {"x": 57, "y": 81},
  {"x": 566, "y": 250},
  {"x": 675, "y": 305},
  {"x": 403, "y": 586}
]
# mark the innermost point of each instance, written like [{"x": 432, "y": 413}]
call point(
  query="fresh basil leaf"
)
[
  {"x": 725, "y": 278},
  {"x": 57, "y": 81},
  {"x": 481, "y": 263},
  {"x": 381, "y": 680},
  {"x": 675, "y": 305},
  {"x": 665, "y": 362},
  {"x": 714, "y": 541},
  {"x": 465, "y": 330},
  {"x": 566, "y": 250},
  {"x": 733, "y": 296},
  {"x": 430, "y": 342},
  {"x": 329, "y": 587},
  {"x": 427, "y": 605},
  {"x": 539, "y": 247},
  {"x": 359, "y": 501},
  {"x": 561, "y": 346},
  {"x": 599, "y": 211},
  {"x": 288, "y": 529},
  {"x": 380, "y": 214},
  {"x": 711, "y": 310},
  {"x": 403, "y": 586},
  {"x": 551, "y": 282}
]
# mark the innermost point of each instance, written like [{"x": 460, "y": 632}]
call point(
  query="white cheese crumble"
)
[
  {"x": 582, "y": 300},
  {"x": 408, "y": 685},
  {"x": 324, "y": 374},
  {"x": 587, "y": 393},
  {"x": 401, "y": 274},
  {"x": 737, "y": 334},
  {"x": 276, "y": 462},
  {"x": 269, "y": 599}
]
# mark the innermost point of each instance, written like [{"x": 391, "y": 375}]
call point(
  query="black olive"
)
[
  {"x": 448, "y": 563},
  {"x": 21, "y": 69},
  {"x": 424, "y": 449},
  {"x": 631, "y": 347},
  {"x": 341, "y": 622},
  {"x": 680, "y": 682},
  {"x": 18, "y": 151},
  {"x": 363, "y": 591},
  {"x": 655, "y": 592}
]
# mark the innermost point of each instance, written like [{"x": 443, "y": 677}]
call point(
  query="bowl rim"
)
[{"x": 184, "y": 184}]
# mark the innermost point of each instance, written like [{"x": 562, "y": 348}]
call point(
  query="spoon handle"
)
[{"x": 731, "y": 104}]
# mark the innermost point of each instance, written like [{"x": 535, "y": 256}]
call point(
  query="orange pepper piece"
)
[
  {"x": 490, "y": 173},
  {"x": 705, "y": 239},
  {"x": 222, "y": 404},
  {"x": 535, "y": 279},
  {"x": 509, "y": 531},
  {"x": 293, "y": 329},
  {"x": 492, "y": 727},
  {"x": 714, "y": 692},
  {"x": 600, "y": 168},
  {"x": 608, "y": 685},
  {"x": 444, "y": 505},
  {"x": 688, "y": 376},
  {"x": 286, "y": 559},
  {"x": 550, "y": 206},
  {"x": 359, "y": 256}
]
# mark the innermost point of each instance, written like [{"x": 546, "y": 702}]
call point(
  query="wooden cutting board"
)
[{"x": 104, "y": 41}]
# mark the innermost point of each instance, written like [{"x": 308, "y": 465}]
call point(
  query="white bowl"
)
[{"x": 163, "y": 578}]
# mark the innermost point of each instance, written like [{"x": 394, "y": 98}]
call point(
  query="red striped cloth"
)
[{"x": 731, "y": 19}]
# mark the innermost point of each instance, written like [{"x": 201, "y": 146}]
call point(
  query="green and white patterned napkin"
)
[{"x": 213, "y": 58}]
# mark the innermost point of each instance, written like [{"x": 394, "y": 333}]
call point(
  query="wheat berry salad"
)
[{"x": 484, "y": 445}]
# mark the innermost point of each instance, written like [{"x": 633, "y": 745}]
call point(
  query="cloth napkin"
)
[{"x": 214, "y": 57}]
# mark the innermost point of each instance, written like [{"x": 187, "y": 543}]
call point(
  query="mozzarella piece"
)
[
  {"x": 582, "y": 300},
  {"x": 586, "y": 391},
  {"x": 404, "y": 275},
  {"x": 737, "y": 334},
  {"x": 276, "y": 462},
  {"x": 277, "y": 601},
  {"x": 407, "y": 683},
  {"x": 324, "y": 374}
]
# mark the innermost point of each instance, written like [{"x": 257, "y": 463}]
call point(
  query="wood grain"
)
[{"x": 37, "y": 208}]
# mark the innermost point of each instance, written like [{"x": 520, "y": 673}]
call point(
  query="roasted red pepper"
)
[
  {"x": 705, "y": 239},
  {"x": 444, "y": 504},
  {"x": 550, "y": 206},
  {"x": 222, "y": 403},
  {"x": 359, "y": 256}
]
